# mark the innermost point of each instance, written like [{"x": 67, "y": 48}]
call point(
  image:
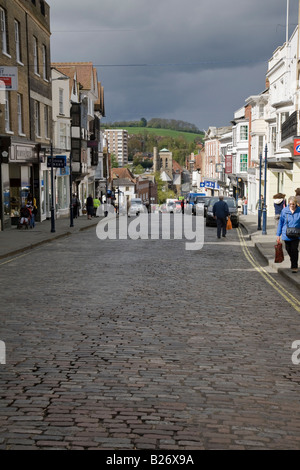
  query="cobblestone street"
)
[{"x": 144, "y": 345}]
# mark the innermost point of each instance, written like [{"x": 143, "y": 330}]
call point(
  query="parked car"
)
[
  {"x": 200, "y": 205},
  {"x": 233, "y": 209},
  {"x": 171, "y": 207},
  {"x": 136, "y": 207}
]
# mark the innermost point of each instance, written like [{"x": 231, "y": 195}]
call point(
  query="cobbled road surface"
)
[{"x": 122, "y": 344}]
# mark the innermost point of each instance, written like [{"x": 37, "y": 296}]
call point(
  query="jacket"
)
[
  {"x": 220, "y": 209},
  {"x": 293, "y": 220},
  {"x": 279, "y": 204}
]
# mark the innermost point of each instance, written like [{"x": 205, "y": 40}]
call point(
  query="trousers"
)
[
  {"x": 221, "y": 226},
  {"x": 292, "y": 250}
]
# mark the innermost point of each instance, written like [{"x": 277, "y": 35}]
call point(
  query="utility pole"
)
[{"x": 297, "y": 70}]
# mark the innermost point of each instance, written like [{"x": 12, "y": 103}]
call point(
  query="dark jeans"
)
[
  {"x": 221, "y": 226},
  {"x": 292, "y": 249}
]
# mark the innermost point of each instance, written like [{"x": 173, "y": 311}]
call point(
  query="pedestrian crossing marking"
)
[{"x": 295, "y": 303}]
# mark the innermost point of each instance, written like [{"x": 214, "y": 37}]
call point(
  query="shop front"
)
[{"x": 19, "y": 178}]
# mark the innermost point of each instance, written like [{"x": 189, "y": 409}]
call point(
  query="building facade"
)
[
  {"x": 25, "y": 103},
  {"x": 117, "y": 141}
]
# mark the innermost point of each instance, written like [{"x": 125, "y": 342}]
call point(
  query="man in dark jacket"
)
[{"x": 221, "y": 212}]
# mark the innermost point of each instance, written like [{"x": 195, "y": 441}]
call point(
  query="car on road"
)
[
  {"x": 200, "y": 205},
  {"x": 136, "y": 207},
  {"x": 171, "y": 207},
  {"x": 233, "y": 209}
]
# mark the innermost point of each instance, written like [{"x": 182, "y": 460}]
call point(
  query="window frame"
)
[
  {"x": 4, "y": 31},
  {"x": 37, "y": 118},
  {"x": 244, "y": 132},
  {"x": 20, "y": 114},
  {"x": 7, "y": 114},
  {"x": 35, "y": 55},
  {"x": 243, "y": 162},
  {"x": 18, "y": 41}
]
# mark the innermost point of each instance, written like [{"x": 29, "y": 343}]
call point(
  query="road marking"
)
[
  {"x": 295, "y": 303},
  {"x": 13, "y": 259}
]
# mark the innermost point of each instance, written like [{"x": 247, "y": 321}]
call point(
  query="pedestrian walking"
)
[
  {"x": 97, "y": 204},
  {"x": 262, "y": 203},
  {"x": 31, "y": 205},
  {"x": 90, "y": 206},
  {"x": 297, "y": 191},
  {"x": 221, "y": 212},
  {"x": 290, "y": 217},
  {"x": 279, "y": 204},
  {"x": 76, "y": 206}
]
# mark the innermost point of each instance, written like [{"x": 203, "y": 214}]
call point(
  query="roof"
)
[
  {"x": 176, "y": 167},
  {"x": 86, "y": 73},
  {"x": 122, "y": 182},
  {"x": 122, "y": 173}
]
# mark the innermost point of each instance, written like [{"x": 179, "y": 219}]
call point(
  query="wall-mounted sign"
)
[
  {"x": 9, "y": 78},
  {"x": 59, "y": 161},
  {"x": 297, "y": 147}
]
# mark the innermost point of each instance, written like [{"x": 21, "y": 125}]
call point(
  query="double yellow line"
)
[{"x": 295, "y": 303}]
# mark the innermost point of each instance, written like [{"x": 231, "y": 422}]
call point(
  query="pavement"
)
[{"x": 14, "y": 241}]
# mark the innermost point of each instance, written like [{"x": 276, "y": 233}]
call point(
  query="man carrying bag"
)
[{"x": 221, "y": 212}]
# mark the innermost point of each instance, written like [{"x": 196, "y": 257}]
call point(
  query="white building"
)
[
  {"x": 283, "y": 168},
  {"x": 117, "y": 140}
]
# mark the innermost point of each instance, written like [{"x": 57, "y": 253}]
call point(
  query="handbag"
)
[
  {"x": 279, "y": 257},
  {"x": 229, "y": 224},
  {"x": 292, "y": 232}
]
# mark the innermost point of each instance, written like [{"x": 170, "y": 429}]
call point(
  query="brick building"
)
[{"x": 25, "y": 123}]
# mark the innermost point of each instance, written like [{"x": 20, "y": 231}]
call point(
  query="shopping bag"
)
[
  {"x": 279, "y": 257},
  {"x": 229, "y": 224}
]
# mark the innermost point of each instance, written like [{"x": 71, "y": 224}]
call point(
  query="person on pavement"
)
[
  {"x": 279, "y": 204},
  {"x": 290, "y": 217},
  {"x": 221, "y": 212},
  {"x": 90, "y": 207}
]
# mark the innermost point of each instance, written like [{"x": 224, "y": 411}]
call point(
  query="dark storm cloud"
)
[{"x": 192, "y": 60}]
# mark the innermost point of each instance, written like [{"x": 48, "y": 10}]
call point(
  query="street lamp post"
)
[
  {"x": 259, "y": 194},
  {"x": 52, "y": 193},
  {"x": 71, "y": 194},
  {"x": 264, "y": 230}
]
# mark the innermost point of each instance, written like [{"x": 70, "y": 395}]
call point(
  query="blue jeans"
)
[{"x": 32, "y": 221}]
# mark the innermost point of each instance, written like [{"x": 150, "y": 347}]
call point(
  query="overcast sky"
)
[{"x": 192, "y": 60}]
